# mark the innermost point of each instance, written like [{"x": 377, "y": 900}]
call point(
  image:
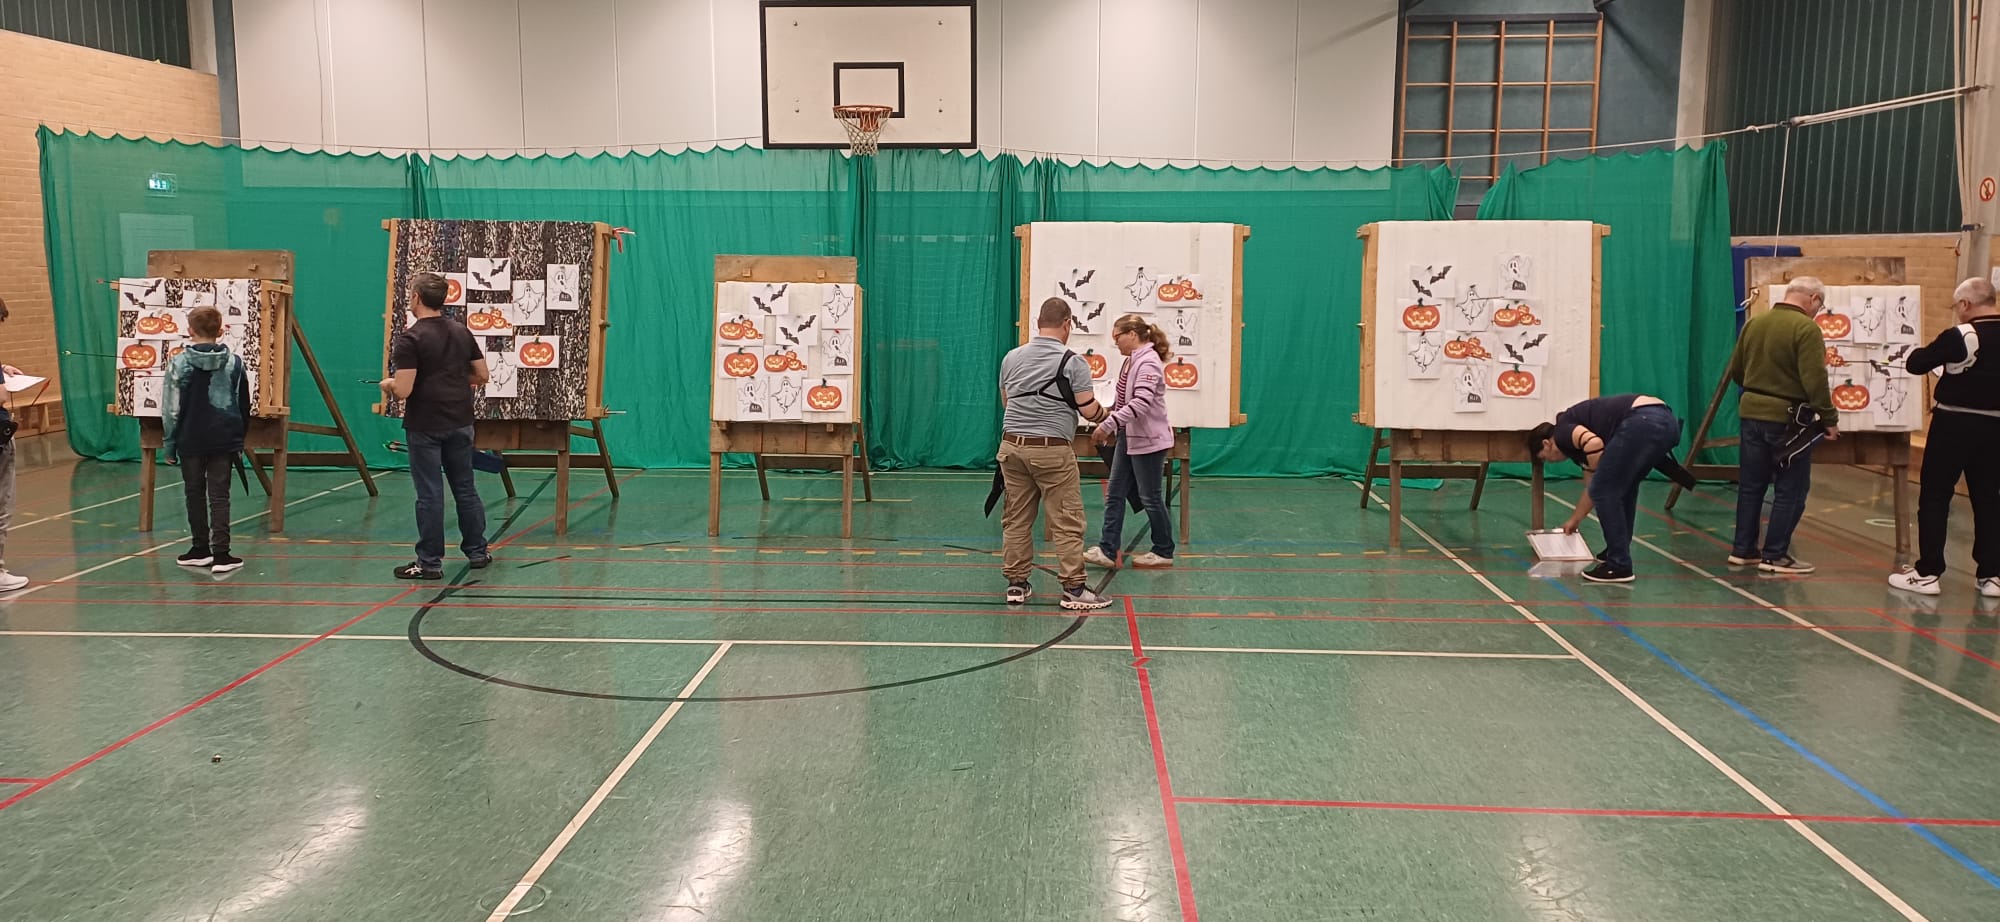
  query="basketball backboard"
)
[{"x": 915, "y": 56}]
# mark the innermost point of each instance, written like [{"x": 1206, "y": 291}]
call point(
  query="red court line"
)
[
  {"x": 1933, "y": 638},
  {"x": 1168, "y": 802},
  {"x": 1582, "y": 811},
  {"x": 510, "y": 539},
  {"x": 285, "y": 603},
  {"x": 190, "y": 707},
  {"x": 20, "y": 780},
  {"x": 1808, "y": 528}
]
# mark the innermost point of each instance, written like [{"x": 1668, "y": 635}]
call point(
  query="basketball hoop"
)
[{"x": 864, "y": 126}]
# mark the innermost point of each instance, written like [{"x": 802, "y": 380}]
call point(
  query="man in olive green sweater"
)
[{"x": 1780, "y": 362}]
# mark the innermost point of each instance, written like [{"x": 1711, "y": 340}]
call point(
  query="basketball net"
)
[{"x": 864, "y": 126}]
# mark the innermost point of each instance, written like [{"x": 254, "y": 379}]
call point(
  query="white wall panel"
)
[
  {"x": 1347, "y": 80},
  {"x": 1048, "y": 76},
  {"x": 1146, "y": 103},
  {"x": 1245, "y": 78},
  {"x": 666, "y": 71},
  {"x": 379, "y": 98},
  {"x": 277, "y": 61},
  {"x": 472, "y": 54},
  {"x": 569, "y": 74},
  {"x": 739, "y": 74}
]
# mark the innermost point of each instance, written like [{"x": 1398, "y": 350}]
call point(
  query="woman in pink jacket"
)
[{"x": 1138, "y": 422}]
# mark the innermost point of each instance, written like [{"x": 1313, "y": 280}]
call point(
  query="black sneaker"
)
[
  {"x": 195, "y": 557},
  {"x": 1018, "y": 593},
  {"x": 414, "y": 570},
  {"x": 480, "y": 562},
  {"x": 1606, "y": 573},
  {"x": 224, "y": 563},
  {"x": 1787, "y": 565}
]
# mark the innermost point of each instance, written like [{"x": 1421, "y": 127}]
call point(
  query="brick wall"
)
[{"x": 80, "y": 88}]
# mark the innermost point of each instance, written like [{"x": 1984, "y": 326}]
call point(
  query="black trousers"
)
[
  {"x": 1966, "y": 444},
  {"x": 205, "y": 485}
]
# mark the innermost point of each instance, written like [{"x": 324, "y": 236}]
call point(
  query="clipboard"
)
[{"x": 1554, "y": 544}]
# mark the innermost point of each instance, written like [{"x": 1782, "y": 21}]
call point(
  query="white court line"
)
[
  {"x": 1826, "y": 848},
  {"x": 541, "y": 865},
  {"x": 62, "y": 515},
  {"x": 31, "y": 590},
  {"x": 1947, "y": 693},
  {"x": 684, "y": 641}
]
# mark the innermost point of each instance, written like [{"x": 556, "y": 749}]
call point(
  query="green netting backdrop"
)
[{"x": 934, "y": 235}]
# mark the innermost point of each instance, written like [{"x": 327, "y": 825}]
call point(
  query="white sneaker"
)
[
  {"x": 1911, "y": 581},
  {"x": 1096, "y": 556},
  {"x": 1152, "y": 561},
  {"x": 1990, "y": 587},
  {"x": 10, "y": 581}
]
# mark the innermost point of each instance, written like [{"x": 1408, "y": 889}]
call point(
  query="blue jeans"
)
[
  {"x": 1143, "y": 473},
  {"x": 1630, "y": 453},
  {"x": 449, "y": 453},
  {"x": 1760, "y": 443}
]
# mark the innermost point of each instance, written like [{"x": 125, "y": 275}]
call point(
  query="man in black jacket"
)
[
  {"x": 438, "y": 363},
  {"x": 1964, "y": 440},
  {"x": 9, "y": 582}
]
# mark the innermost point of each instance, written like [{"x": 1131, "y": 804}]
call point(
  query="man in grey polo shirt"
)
[{"x": 1037, "y": 462}]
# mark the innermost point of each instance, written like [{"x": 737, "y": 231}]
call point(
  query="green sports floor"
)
[{"x": 638, "y": 722}]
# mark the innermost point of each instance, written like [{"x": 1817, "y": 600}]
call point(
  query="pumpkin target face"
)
[
  {"x": 480, "y": 320},
  {"x": 1181, "y": 374},
  {"x": 537, "y": 354},
  {"x": 740, "y": 364},
  {"x": 1523, "y": 318},
  {"x": 1098, "y": 366},
  {"x": 1170, "y": 291},
  {"x": 140, "y": 355},
  {"x": 795, "y": 364},
  {"x": 732, "y": 331},
  {"x": 1422, "y": 317},
  {"x": 1456, "y": 349},
  {"x": 454, "y": 291},
  {"x": 1835, "y": 326},
  {"x": 781, "y": 361},
  {"x": 1850, "y": 396},
  {"x": 1516, "y": 383},
  {"x": 1506, "y": 317},
  {"x": 1833, "y": 358},
  {"x": 823, "y": 397},
  {"x": 150, "y": 325}
]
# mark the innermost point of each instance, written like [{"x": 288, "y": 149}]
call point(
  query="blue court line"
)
[{"x": 1922, "y": 832}]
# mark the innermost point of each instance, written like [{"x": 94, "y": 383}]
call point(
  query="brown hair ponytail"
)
[{"x": 1134, "y": 323}]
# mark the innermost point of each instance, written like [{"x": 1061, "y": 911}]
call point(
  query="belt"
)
[{"x": 1033, "y": 440}]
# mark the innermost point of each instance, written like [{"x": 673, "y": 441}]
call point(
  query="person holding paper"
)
[
  {"x": 1964, "y": 440},
  {"x": 1787, "y": 406},
  {"x": 1617, "y": 441}
]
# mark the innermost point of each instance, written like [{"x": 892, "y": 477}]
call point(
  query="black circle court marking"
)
[{"x": 428, "y": 652}]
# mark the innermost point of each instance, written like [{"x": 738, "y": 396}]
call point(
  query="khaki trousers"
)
[{"x": 1042, "y": 476}]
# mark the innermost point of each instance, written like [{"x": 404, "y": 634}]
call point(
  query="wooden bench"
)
[{"x": 31, "y": 408}]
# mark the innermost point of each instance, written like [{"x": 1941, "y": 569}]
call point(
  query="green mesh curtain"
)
[
  {"x": 1301, "y": 291},
  {"x": 103, "y": 216},
  {"x": 1669, "y": 307},
  {"x": 933, "y": 231},
  {"x": 684, "y": 209}
]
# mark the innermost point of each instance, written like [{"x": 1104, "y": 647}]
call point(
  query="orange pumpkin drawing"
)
[
  {"x": 823, "y": 396},
  {"x": 1466, "y": 349},
  {"x": 1422, "y": 317},
  {"x": 1506, "y": 317},
  {"x": 1835, "y": 326},
  {"x": 1850, "y": 396},
  {"x": 1833, "y": 358},
  {"x": 1098, "y": 366},
  {"x": 151, "y": 324},
  {"x": 795, "y": 364},
  {"x": 781, "y": 361},
  {"x": 479, "y": 320},
  {"x": 1181, "y": 374},
  {"x": 740, "y": 364},
  {"x": 731, "y": 330},
  {"x": 454, "y": 291},
  {"x": 140, "y": 355},
  {"x": 1170, "y": 291},
  {"x": 1516, "y": 383},
  {"x": 1525, "y": 318},
  {"x": 538, "y": 354}
]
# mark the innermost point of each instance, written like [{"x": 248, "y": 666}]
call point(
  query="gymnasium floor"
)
[{"x": 1291, "y": 725}]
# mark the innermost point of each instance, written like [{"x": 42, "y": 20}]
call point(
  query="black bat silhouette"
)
[
  {"x": 484, "y": 281},
  {"x": 766, "y": 308},
  {"x": 1419, "y": 286},
  {"x": 1087, "y": 276},
  {"x": 805, "y": 324},
  {"x": 1099, "y": 312},
  {"x": 1065, "y": 289},
  {"x": 1076, "y": 323},
  {"x": 1439, "y": 275},
  {"x": 787, "y": 334},
  {"x": 1525, "y": 345}
]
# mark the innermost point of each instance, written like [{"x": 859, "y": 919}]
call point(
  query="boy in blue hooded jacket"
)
[{"x": 206, "y": 413}]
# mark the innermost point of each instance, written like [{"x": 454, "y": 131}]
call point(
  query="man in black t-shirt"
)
[
  {"x": 1617, "y": 441},
  {"x": 1964, "y": 440},
  {"x": 438, "y": 363}
]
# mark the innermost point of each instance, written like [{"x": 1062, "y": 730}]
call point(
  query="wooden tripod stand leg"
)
[
  {"x": 714, "y": 493},
  {"x": 257, "y": 467},
  {"x": 1395, "y": 504},
  {"x": 604, "y": 452},
  {"x": 1479, "y": 485},
  {"x": 279, "y": 464},
  {"x": 846, "y": 496},
  {"x": 147, "y": 472},
  {"x": 1368, "y": 470},
  {"x": 1187, "y": 495},
  {"x": 506, "y": 477},
  {"x": 333, "y": 407},
  {"x": 763, "y": 485},
  {"x": 867, "y": 485},
  {"x": 1701, "y": 435},
  {"x": 562, "y": 492}
]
